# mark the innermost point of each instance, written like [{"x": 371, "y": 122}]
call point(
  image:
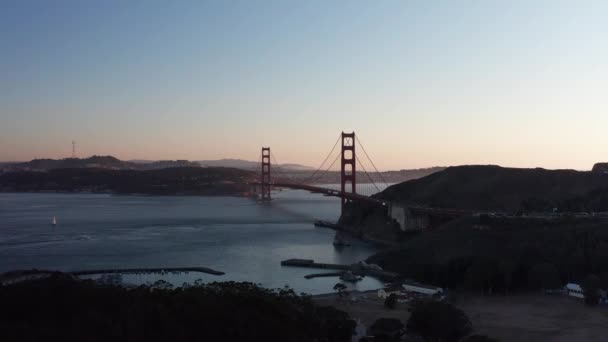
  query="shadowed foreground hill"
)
[
  {"x": 63, "y": 309},
  {"x": 503, "y": 254},
  {"x": 497, "y": 188}
]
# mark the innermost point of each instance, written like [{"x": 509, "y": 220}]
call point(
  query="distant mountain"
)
[
  {"x": 100, "y": 162},
  {"x": 106, "y": 162},
  {"x": 248, "y": 165},
  {"x": 333, "y": 177},
  {"x": 291, "y": 171},
  {"x": 166, "y": 181}
]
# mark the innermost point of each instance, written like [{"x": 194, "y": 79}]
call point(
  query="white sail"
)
[{"x": 54, "y": 221}]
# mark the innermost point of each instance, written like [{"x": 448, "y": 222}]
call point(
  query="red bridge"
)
[{"x": 348, "y": 192}]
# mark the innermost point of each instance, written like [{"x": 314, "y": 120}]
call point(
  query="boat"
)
[
  {"x": 54, "y": 221},
  {"x": 350, "y": 277}
]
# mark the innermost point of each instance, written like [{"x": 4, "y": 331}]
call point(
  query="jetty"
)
[
  {"x": 354, "y": 268},
  {"x": 148, "y": 270},
  {"x": 319, "y": 275}
]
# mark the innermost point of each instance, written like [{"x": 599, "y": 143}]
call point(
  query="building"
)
[
  {"x": 574, "y": 290},
  {"x": 389, "y": 290},
  {"x": 422, "y": 289}
]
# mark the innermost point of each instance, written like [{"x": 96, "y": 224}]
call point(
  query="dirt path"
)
[
  {"x": 525, "y": 318},
  {"x": 536, "y": 318}
]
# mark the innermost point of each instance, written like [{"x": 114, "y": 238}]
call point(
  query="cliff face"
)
[
  {"x": 600, "y": 168},
  {"x": 370, "y": 223}
]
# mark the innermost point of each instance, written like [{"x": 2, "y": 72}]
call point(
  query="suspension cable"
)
[
  {"x": 329, "y": 168},
  {"x": 280, "y": 171},
  {"x": 368, "y": 176},
  {"x": 308, "y": 180},
  {"x": 371, "y": 161}
]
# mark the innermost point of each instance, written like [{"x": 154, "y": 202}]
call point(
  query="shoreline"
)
[{"x": 114, "y": 193}]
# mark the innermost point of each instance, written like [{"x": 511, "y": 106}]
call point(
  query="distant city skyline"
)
[{"x": 512, "y": 83}]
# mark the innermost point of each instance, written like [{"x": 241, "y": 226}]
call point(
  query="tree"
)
[
  {"x": 591, "y": 289},
  {"x": 507, "y": 267},
  {"x": 480, "y": 275},
  {"x": 479, "y": 338},
  {"x": 437, "y": 321},
  {"x": 335, "y": 324},
  {"x": 341, "y": 288},
  {"x": 544, "y": 276},
  {"x": 391, "y": 301},
  {"x": 386, "y": 329}
]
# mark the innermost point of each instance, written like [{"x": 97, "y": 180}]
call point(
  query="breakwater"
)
[
  {"x": 148, "y": 270},
  {"x": 357, "y": 269}
]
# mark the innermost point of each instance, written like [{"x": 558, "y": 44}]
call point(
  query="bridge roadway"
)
[{"x": 445, "y": 212}]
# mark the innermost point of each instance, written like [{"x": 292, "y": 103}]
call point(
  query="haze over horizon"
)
[{"x": 517, "y": 83}]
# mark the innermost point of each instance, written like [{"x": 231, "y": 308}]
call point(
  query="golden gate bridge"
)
[
  {"x": 350, "y": 189},
  {"x": 272, "y": 175}
]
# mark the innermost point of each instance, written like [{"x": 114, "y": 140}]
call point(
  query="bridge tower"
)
[
  {"x": 349, "y": 165},
  {"x": 265, "y": 181}
]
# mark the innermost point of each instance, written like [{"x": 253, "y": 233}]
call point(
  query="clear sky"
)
[{"x": 423, "y": 83}]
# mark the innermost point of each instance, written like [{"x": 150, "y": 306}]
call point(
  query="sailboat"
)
[{"x": 54, "y": 221}]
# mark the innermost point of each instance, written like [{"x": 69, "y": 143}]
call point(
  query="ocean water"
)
[{"x": 239, "y": 236}]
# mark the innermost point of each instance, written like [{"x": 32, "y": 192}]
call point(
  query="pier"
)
[
  {"x": 355, "y": 269},
  {"x": 319, "y": 275},
  {"x": 148, "y": 270}
]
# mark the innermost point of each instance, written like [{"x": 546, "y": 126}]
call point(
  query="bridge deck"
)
[{"x": 368, "y": 199}]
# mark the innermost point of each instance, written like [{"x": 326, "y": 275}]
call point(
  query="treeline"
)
[
  {"x": 185, "y": 180},
  {"x": 63, "y": 309},
  {"x": 504, "y": 255}
]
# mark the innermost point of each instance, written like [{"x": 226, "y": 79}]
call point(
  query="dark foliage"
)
[
  {"x": 438, "y": 321},
  {"x": 508, "y": 255},
  {"x": 479, "y": 338},
  {"x": 63, "y": 309},
  {"x": 591, "y": 288},
  {"x": 391, "y": 301},
  {"x": 387, "y": 329}
]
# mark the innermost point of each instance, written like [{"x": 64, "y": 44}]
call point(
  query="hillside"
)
[
  {"x": 108, "y": 162},
  {"x": 171, "y": 181},
  {"x": 61, "y": 308},
  {"x": 497, "y": 188},
  {"x": 503, "y": 254},
  {"x": 600, "y": 168}
]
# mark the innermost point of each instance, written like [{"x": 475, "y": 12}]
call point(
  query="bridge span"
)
[{"x": 406, "y": 215}]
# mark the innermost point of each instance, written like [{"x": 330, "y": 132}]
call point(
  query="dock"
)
[
  {"x": 355, "y": 268},
  {"x": 319, "y": 275}
]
